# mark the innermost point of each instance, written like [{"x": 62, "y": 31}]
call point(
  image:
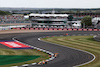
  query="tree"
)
[
  {"x": 86, "y": 21},
  {"x": 70, "y": 18},
  {"x": 4, "y": 13}
]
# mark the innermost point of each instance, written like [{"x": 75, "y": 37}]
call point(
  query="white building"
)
[
  {"x": 74, "y": 24},
  {"x": 96, "y": 22},
  {"x": 48, "y": 20}
]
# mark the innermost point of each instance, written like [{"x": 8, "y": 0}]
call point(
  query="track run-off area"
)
[{"x": 68, "y": 57}]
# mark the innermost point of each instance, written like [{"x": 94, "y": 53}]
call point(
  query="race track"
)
[{"x": 67, "y": 57}]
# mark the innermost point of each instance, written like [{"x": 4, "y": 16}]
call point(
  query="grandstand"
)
[
  {"x": 13, "y": 20},
  {"x": 48, "y": 20}
]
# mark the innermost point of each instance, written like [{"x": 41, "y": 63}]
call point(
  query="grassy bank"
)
[
  {"x": 10, "y": 57},
  {"x": 86, "y": 43}
]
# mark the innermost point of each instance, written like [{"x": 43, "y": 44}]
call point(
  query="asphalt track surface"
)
[{"x": 67, "y": 57}]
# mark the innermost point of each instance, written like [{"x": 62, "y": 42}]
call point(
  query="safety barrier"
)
[
  {"x": 89, "y": 29},
  {"x": 31, "y": 28},
  {"x": 55, "y": 29},
  {"x": 22, "y": 28},
  {"x": 79, "y": 29},
  {"x": 36, "y": 28},
  {"x": 18, "y": 28},
  {"x": 85, "y": 29},
  {"x": 27, "y": 28},
  {"x": 95, "y": 29},
  {"x": 60, "y": 29},
  {"x": 65, "y": 29},
  {"x": 74, "y": 29},
  {"x": 70, "y": 29},
  {"x": 50, "y": 28},
  {"x": 45, "y": 28}
]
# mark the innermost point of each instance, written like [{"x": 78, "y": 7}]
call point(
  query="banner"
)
[{"x": 14, "y": 44}]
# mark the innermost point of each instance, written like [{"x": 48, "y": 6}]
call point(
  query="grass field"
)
[
  {"x": 11, "y": 57},
  {"x": 86, "y": 43}
]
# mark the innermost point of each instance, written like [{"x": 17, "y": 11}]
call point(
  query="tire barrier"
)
[
  {"x": 52, "y": 55},
  {"x": 70, "y": 29}
]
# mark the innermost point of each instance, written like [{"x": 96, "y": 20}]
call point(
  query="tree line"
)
[
  {"x": 4, "y": 13},
  {"x": 86, "y": 21}
]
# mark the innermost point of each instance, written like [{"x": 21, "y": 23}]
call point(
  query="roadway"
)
[{"x": 67, "y": 57}]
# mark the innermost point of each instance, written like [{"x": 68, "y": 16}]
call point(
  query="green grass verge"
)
[
  {"x": 11, "y": 57},
  {"x": 86, "y": 43}
]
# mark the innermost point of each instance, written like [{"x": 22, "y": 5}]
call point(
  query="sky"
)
[{"x": 51, "y": 3}]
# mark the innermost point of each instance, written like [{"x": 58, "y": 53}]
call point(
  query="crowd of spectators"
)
[
  {"x": 86, "y": 15},
  {"x": 20, "y": 18},
  {"x": 37, "y": 17},
  {"x": 12, "y": 19}
]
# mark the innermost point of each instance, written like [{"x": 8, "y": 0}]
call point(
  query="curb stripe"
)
[{"x": 36, "y": 49}]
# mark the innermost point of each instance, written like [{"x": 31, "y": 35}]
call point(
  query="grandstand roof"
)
[{"x": 47, "y": 15}]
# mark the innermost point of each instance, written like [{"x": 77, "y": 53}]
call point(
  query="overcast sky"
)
[{"x": 51, "y": 3}]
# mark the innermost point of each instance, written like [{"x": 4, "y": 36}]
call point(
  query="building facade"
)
[{"x": 48, "y": 20}]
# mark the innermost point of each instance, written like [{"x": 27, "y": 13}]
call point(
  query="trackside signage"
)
[{"x": 14, "y": 44}]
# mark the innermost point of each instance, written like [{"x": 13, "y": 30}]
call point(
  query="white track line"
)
[
  {"x": 36, "y": 49},
  {"x": 62, "y": 46},
  {"x": 78, "y": 50}
]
